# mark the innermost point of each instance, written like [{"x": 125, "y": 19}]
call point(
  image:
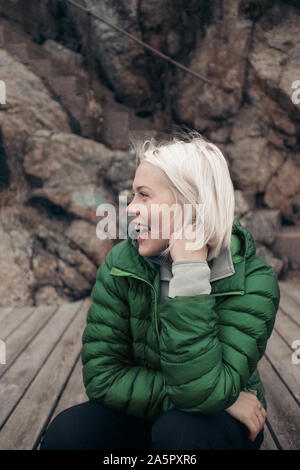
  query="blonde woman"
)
[{"x": 179, "y": 320}]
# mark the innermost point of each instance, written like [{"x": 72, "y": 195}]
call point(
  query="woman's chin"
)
[
  {"x": 150, "y": 248},
  {"x": 145, "y": 248}
]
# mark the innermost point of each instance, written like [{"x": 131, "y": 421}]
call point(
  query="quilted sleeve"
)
[
  {"x": 208, "y": 349},
  {"x": 110, "y": 375}
]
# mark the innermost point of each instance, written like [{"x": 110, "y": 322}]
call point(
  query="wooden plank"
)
[
  {"x": 290, "y": 307},
  {"x": 19, "y": 376},
  {"x": 286, "y": 327},
  {"x": 23, "y": 427},
  {"x": 282, "y": 409},
  {"x": 268, "y": 442},
  {"x": 21, "y": 337},
  {"x": 74, "y": 393},
  {"x": 281, "y": 357},
  {"x": 14, "y": 320},
  {"x": 292, "y": 289},
  {"x": 4, "y": 311}
]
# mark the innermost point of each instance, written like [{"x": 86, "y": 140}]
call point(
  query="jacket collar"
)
[
  {"x": 227, "y": 270},
  {"x": 220, "y": 267}
]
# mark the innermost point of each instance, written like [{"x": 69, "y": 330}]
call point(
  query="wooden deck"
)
[{"x": 42, "y": 374}]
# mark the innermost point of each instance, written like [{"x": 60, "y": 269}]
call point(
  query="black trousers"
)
[{"x": 91, "y": 426}]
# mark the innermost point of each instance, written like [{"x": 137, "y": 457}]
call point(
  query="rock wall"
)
[{"x": 52, "y": 161}]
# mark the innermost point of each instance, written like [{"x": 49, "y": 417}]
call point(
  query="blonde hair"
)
[{"x": 198, "y": 174}]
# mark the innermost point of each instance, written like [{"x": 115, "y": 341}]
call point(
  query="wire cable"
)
[{"x": 143, "y": 44}]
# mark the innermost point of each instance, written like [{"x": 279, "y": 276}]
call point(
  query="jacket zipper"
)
[{"x": 119, "y": 272}]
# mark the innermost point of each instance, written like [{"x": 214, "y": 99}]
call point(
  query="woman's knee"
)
[
  {"x": 176, "y": 429},
  {"x": 91, "y": 425},
  {"x": 73, "y": 428},
  {"x": 57, "y": 432}
]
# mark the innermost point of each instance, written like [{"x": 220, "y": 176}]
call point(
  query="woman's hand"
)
[
  {"x": 179, "y": 252},
  {"x": 249, "y": 410}
]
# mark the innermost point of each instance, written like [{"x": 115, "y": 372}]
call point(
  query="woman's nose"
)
[{"x": 128, "y": 208}]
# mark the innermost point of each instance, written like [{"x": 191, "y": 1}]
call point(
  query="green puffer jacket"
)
[{"x": 144, "y": 355}]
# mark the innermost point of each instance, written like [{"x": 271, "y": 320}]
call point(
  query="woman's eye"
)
[{"x": 142, "y": 194}]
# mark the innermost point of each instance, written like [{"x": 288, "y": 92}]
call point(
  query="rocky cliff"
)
[{"x": 75, "y": 89}]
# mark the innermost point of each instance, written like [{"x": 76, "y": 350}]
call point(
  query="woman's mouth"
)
[{"x": 144, "y": 233}]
